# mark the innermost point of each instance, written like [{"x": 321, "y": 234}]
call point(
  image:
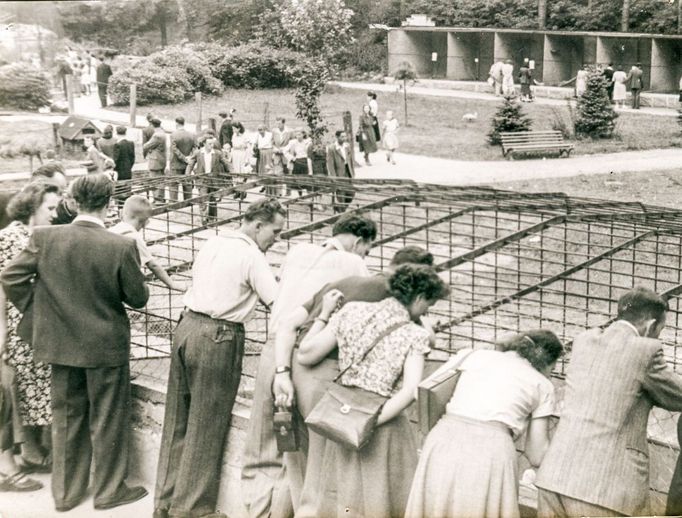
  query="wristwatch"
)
[{"x": 282, "y": 370}]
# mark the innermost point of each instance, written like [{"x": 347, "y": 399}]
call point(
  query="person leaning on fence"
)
[
  {"x": 375, "y": 480},
  {"x": 468, "y": 465},
  {"x": 212, "y": 169},
  {"x": 182, "y": 145},
  {"x": 229, "y": 275},
  {"x": 598, "y": 461},
  {"x": 155, "y": 153},
  {"x": 305, "y": 385},
  {"x": 77, "y": 278}
]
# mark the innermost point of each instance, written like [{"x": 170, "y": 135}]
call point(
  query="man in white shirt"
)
[
  {"x": 306, "y": 269},
  {"x": 230, "y": 274}
]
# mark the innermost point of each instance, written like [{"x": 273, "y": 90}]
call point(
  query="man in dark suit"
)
[
  {"x": 81, "y": 328},
  {"x": 340, "y": 164},
  {"x": 634, "y": 81},
  {"x": 182, "y": 144},
  {"x": 608, "y": 75},
  {"x": 103, "y": 74},
  {"x": 226, "y": 129},
  {"x": 124, "y": 154},
  {"x": 208, "y": 163},
  {"x": 155, "y": 153},
  {"x": 148, "y": 130},
  {"x": 598, "y": 461}
]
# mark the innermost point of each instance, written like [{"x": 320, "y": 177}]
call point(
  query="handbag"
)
[
  {"x": 348, "y": 415},
  {"x": 434, "y": 393}
]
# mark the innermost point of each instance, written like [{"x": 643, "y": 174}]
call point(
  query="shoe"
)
[
  {"x": 127, "y": 496},
  {"x": 18, "y": 482},
  {"x": 44, "y": 466},
  {"x": 67, "y": 507}
]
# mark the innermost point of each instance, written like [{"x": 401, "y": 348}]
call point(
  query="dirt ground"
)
[{"x": 662, "y": 188}]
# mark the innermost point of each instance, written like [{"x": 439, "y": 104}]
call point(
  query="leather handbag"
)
[
  {"x": 348, "y": 415},
  {"x": 434, "y": 393}
]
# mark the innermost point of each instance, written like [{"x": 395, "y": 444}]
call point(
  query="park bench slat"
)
[{"x": 534, "y": 141}]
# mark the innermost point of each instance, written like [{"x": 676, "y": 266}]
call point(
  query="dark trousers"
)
[
  {"x": 635, "y": 97},
  {"x": 205, "y": 370},
  {"x": 102, "y": 91},
  {"x": 344, "y": 197},
  {"x": 173, "y": 190},
  {"x": 90, "y": 421}
]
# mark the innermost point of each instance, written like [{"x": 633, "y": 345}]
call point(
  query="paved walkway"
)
[{"x": 466, "y": 94}]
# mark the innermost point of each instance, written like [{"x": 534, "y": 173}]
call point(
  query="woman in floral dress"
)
[
  {"x": 374, "y": 481},
  {"x": 35, "y": 205}
]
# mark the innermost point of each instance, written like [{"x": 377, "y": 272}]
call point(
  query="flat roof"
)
[{"x": 541, "y": 32}]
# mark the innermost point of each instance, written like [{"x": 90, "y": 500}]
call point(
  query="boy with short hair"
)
[{"x": 136, "y": 212}]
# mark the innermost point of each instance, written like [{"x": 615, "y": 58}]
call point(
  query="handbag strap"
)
[{"x": 378, "y": 339}]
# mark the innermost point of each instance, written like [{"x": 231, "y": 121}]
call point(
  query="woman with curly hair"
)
[
  {"x": 35, "y": 205},
  {"x": 375, "y": 480},
  {"x": 468, "y": 465}
]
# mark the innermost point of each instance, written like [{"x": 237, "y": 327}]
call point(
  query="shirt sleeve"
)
[
  {"x": 143, "y": 250},
  {"x": 420, "y": 345},
  {"x": 262, "y": 280},
  {"x": 546, "y": 405}
]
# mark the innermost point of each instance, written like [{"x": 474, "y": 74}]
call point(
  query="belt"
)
[{"x": 204, "y": 316}]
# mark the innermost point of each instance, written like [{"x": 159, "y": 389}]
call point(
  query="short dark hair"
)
[
  {"x": 280, "y": 119},
  {"x": 92, "y": 192},
  {"x": 539, "y": 346},
  {"x": 121, "y": 130},
  {"x": 264, "y": 210},
  {"x": 155, "y": 122},
  {"x": 149, "y": 116},
  {"x": 222, "y": 114},
  {"x": 641, "y": 304},
  {"x": 337, "y": 133},
  {"x": 108, "y": 129},
  {"x": 26, "y": 202},
  {"x": 412, "y": 255},
  {"x": 180, "y": 120},
  {"x": 410, "y": 281},
  {"x": 48, "y": 170},
  {"x": 357, "y": 225}
]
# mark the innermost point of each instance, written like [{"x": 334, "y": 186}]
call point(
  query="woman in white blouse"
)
[{"x": 468, "y": 466}]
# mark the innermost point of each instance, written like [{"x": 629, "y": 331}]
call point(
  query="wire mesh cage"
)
[{"x": 514, "y": 261}]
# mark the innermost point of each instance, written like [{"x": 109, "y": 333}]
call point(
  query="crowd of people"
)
[
  {"x": 66, "y": 344},
  {"x": 90, "y": 72}
]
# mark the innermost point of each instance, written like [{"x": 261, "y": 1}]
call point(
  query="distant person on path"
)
[
  {"x": 94, "y": 63},
  {"x": 608, "y": 75},
  {"x": 148, "y": 131},
  {"x": 390, "y": 127},
  {"x": 496, "y": 75},
  {"x": 106, "y": 143},
  {"x": 366, "y": 136},
  {"x": 525, "y": 79},
  {"x": 135, "y": 215},
  {"x": 340, "y": 164},
  {"x": 597, "y": 463},
  {"x": 182, "y": 143},
  {"x": 155, "y": 153},
  {"x": 581, "y": 81},
  {"x": 508, "y": 78},
  {"x": 634, "y": 81},
  {"x": 230, "y": 274},
  {"x": 226, "y": 130},
  {"x": 103, "y": 74},
  {"x": 77, "y": 278},
  {"x": 374, "y": 112},
  {"x": 619, "y": 88}
]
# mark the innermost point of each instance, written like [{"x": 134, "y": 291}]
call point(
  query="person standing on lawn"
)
[
  {"x": 230, "y": 274},
  {"x": 634, "y": 81}
]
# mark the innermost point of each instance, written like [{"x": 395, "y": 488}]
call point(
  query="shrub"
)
[
  {"x": 198, "y": 72},
  {"x": 155, "y": 84},
  {"x": 310, "y": 84},
  {"x": 508, "y": 118},
  {"x": 23, "y": 87},
  {"x": 596, "y": 117}
]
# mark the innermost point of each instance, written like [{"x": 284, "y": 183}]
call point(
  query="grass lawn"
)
[
  {"x": 436, "y": 125},
  {"x": 661, "y": 188},
  {"x": 15, "y": 133}
]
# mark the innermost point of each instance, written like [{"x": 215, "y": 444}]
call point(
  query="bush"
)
[
  {"x": 23, "y": 87},
  {"x": 198, "y": 72},
  {"x": 508, "y": 118},
  {"x": 155, "y": 84},
  {"x": 596, "y": 117},
  {"x": 255, "y": 65}
]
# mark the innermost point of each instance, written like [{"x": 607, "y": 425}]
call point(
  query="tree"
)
[
  {"x": 405, "y": 73},
  {"x": 595, "y": 117},
  {"x": 508, "y": 118},
  {"x": 311, "y": 79},
  {"x": 625, "y": 16}
]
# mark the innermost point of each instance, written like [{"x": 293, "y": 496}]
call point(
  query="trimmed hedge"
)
[
  {"x": 23, "y": 87},
  {"x": 155, "y": 84},
  {"x": 193, "y": 63}
]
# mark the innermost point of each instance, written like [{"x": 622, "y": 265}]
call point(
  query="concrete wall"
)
[
  {"x": 564, "y": 55},
  {"x": 470, "y": 55},
  {"x": 518, "y": 47},
  {"x": 666, "y": 65},
  {"x": 416, "y": 48},
  {"x": 626, "y": 52}
]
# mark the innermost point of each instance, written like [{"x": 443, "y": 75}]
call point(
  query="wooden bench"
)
[{"x": 534, "y": 141}]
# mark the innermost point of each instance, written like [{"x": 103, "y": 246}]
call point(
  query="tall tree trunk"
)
[
  {"x": 405, "y": 100},
  {"x": 161, "y": 17},
  {"x": 542, "y": 14},
  {"x": 679, "y": 16},
  {"x": 625, "y": 19}
]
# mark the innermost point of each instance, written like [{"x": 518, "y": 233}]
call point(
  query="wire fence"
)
[{"x": 514, "y": 261}]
